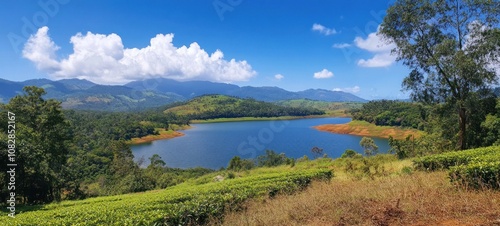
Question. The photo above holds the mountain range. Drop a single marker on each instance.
(83, 94)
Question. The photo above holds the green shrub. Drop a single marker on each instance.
(456, 158)
(477, 175)
(349, 153)
(474, 168)
(407, 170)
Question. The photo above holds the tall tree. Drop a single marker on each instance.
(451, 47)
(42, 136)
(368, 144)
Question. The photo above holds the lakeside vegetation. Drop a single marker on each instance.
(247, 119)
(366, 129)
(162, 135)
(333, 109)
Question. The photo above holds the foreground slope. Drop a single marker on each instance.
(382, 190)
(194, 202)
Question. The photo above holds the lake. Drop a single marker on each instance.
(212, 145)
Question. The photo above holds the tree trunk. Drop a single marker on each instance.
(462, 142)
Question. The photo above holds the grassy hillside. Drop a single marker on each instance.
(381, 190)
(409, 199)
(220, 106)
(194, 202)
(330, 108)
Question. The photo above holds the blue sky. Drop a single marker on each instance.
(296, 46)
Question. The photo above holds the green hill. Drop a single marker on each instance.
(220, 106)
(330, 108)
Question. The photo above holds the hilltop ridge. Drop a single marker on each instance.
(86, 95)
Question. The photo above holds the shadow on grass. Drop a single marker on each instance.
(21, 208)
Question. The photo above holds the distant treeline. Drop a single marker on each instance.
(438, 121)
(393, 113)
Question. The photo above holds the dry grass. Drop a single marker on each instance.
(361, 128)
(164, 134)
(417, 199)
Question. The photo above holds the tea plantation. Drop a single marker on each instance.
(476, 168)
(195, 202)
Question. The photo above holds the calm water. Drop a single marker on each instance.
(213, 145)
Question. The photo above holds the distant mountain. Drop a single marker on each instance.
(197, 88)
(497, 91)
(8, 89)
(83, 94)
(327, 95)
(186, 89)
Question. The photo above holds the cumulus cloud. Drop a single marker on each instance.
(323, 30)
(103, 59)
(354, 89)
(381, 50)
(279, 76)
(323, 74)
(41, 50)
(378, 60)
(341, 45)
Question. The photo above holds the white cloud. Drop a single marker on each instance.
(323, 74)
(382, 50)
(323, 30)
(354, 89)
(373, 43)
(41, 50)
(103, 59)
(378, 60)
(279, 76)
(341, 45)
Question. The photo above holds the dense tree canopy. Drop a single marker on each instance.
(451, 47)
(41, 143)
(393, 113)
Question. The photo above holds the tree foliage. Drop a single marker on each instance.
(368, 144)
(393, 113)
(450, 47)
(317, 151)
(42, 136)
(238, 164)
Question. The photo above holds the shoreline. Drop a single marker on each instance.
(250, 119)
(164, 135)
(365, 129)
